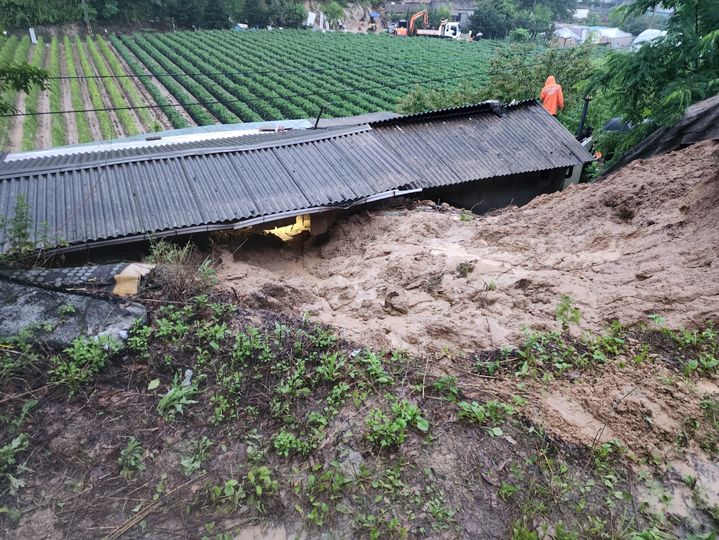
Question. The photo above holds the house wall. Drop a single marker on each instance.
(484, 195)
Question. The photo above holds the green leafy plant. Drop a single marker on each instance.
(198, 455)
(464, 269)
(9, 467)
(84, 359)
(567, 313)
(132, 459)
(287, 443)
(178, 397)
(390, 431)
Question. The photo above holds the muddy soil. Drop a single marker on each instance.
(432, 279)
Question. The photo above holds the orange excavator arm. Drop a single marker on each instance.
(411, 27)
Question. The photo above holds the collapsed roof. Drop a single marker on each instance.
(117, 195)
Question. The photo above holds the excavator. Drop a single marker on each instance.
(446, 29)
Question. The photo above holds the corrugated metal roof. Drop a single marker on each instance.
(85, 198)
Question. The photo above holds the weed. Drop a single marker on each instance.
(260, 482)
(229, 491)
(465, 215)
(132, 459)
(567, 313)
(176, 274)
(177, 398)
(138, 339)
(9, 468)
(287, 443)
(86, 358)
(506, 490)
(213, 335)
(447, 386)
(391, 431)
(441, 514)
(492, 410)
(197, 456)
(331, 364)
(490, 286)
(22, 236)
(66, 310)
(464, 269)
(375, 369)
(473, 412)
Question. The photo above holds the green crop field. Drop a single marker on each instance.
(146, 82)
(269, 75)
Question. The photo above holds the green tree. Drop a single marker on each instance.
(334, 12)
(664, 77)
(216, 15)
(493, 18)
(19, 78)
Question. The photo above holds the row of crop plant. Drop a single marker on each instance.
(271, 75)
(86, 77)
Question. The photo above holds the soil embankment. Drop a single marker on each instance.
(641, 242)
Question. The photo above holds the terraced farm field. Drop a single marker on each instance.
(268, 75)
(85, 74)
(132, 84)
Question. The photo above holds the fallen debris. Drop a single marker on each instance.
(641, 242)
(57, 318)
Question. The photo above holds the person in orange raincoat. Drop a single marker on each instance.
(551, 96)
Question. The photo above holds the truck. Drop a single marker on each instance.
(446, 28)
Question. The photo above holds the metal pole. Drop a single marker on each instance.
(583, 119)
(319, 115)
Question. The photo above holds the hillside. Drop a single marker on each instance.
(408, 399)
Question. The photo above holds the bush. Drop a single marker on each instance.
(176, 273)
(520, 35)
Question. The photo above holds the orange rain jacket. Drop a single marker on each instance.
(551, 96)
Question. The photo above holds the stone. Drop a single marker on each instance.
(43, 313)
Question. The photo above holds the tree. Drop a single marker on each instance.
(216, 15)
(436, 16)
(334, 13)
(493, 18)
(19, 78)
(664, 77)
(256, 12)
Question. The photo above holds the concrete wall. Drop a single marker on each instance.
(484, 195)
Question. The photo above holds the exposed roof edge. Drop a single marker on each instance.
(269, 218)
(481, 107)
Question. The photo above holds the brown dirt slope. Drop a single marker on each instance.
(642, 241)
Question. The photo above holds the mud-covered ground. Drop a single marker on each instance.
(284, 430)
(421, 373)
(641, 242)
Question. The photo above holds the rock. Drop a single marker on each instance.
(350, 463)
(57, 318)
(396, 299)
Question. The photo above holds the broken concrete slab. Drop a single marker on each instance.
(57, 318)
(123, 278)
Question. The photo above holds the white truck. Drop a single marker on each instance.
(446, 29)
